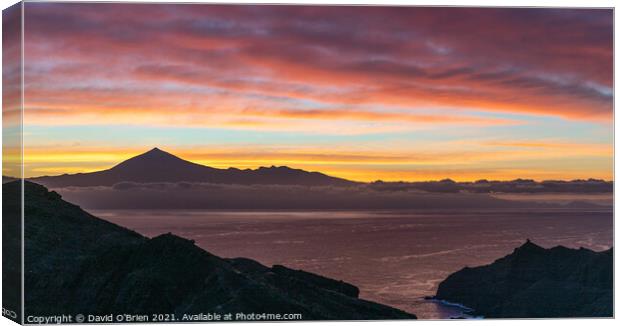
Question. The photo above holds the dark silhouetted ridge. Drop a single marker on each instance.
(153, 157)
(529, 248)
(160, 166)
(78, 263)
(534, 282)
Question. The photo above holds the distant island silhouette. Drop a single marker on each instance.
(157, 165)
(157, 179)
(160, 166)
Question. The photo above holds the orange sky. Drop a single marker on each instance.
(363, 93)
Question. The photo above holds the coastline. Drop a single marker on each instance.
(465, 312)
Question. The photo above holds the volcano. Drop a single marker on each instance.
(157, 165)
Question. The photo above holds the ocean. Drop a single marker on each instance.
(395, 257)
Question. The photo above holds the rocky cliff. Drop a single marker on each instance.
(534, 282)
(78, 263)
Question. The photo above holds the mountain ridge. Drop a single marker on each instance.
(78, 263)
(157, 165)
(534, 282)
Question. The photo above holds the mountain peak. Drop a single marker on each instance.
(156, 165)
(529, 247)
(273, 167)
(156, 150)
(156, 154)
(154, 158)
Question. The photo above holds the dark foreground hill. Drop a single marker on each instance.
(534, 282)
(160, 166)
(77, 263)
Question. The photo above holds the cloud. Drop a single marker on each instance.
(128, 195)
(425, 195)
(550, 62)
(360, 115)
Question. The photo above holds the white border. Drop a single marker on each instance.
(486, 3)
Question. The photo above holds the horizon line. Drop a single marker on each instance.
(158, 149)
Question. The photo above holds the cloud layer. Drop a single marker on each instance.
(437, 195)
(256, 65)
(218, 196)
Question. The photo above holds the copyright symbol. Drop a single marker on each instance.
(79, 318)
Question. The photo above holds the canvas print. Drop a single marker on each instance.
(222, 162)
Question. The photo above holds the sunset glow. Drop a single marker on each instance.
(363, 93)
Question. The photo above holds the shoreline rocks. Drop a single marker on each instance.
(534, 282)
